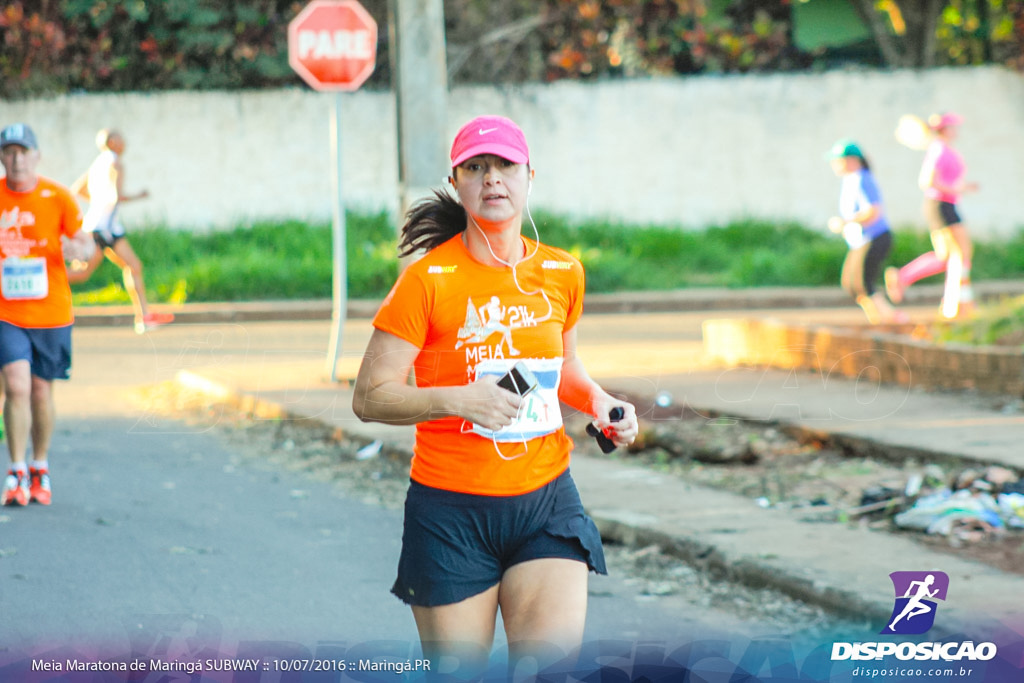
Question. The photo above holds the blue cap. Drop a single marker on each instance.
(18, 134)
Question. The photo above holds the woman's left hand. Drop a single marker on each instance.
(622, 432)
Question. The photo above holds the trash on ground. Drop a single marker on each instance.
(1012, 507)
(977, 504)
(945, 511)
(980, 504)
(370, 450)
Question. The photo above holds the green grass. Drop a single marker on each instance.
(1001, 323)
(288, 260)
(292, 260)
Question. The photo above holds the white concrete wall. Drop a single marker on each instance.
(214, 159)
(682, 151)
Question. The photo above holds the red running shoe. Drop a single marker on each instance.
(15, 490)
(151, 321)
(39, 486)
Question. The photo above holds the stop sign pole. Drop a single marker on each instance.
(332, 45)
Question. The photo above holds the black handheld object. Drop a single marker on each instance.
(519, 380)
(606, 444)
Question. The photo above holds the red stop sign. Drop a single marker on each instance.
(332, 44)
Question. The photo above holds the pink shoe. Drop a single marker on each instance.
(899, 318)
(892, 285)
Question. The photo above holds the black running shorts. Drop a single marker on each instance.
(940, 214)
(456, 545)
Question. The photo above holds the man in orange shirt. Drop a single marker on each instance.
(39, 221)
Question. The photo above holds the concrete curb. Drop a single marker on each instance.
(742, 570)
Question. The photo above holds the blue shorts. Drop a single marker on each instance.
(457, 545)
(48, 349)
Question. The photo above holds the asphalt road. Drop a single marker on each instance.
(166, 539)
(147, 525)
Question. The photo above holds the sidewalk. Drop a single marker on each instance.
(843, 568)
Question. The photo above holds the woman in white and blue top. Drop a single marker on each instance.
(863, 224)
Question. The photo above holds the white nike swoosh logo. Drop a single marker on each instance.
(489, 130)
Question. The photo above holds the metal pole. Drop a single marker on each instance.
(340, 277)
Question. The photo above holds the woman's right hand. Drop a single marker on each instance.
(486, 404)
(382, 392)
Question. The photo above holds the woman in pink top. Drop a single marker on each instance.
(942, 181)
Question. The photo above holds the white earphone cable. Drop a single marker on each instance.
(514, 266)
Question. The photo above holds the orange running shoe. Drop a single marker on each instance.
(39, 485)
(15, 490)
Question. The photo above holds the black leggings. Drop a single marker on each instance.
(863, 266)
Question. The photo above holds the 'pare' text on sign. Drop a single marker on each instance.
(336, 45)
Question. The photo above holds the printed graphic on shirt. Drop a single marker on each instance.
(489, 319)
(12, 241)
(557, 265)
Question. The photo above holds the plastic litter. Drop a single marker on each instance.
(945, 512)
(370, 450)
(913, 486)
(873, 495)
(1012, 507)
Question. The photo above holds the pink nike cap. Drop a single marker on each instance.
(945, 120)
(490, 135)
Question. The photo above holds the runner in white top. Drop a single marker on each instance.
(102, 185)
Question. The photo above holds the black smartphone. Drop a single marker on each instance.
(519, 380)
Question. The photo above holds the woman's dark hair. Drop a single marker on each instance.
(430, 222)
(864, 163)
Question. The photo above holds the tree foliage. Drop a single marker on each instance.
(579, 39)
(132, 44)
(924, 33)
(55, 46)
(122, 45)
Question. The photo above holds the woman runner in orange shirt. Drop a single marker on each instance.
(493, 521)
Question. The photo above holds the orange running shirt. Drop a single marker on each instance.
(34, 290)
(467, 318)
